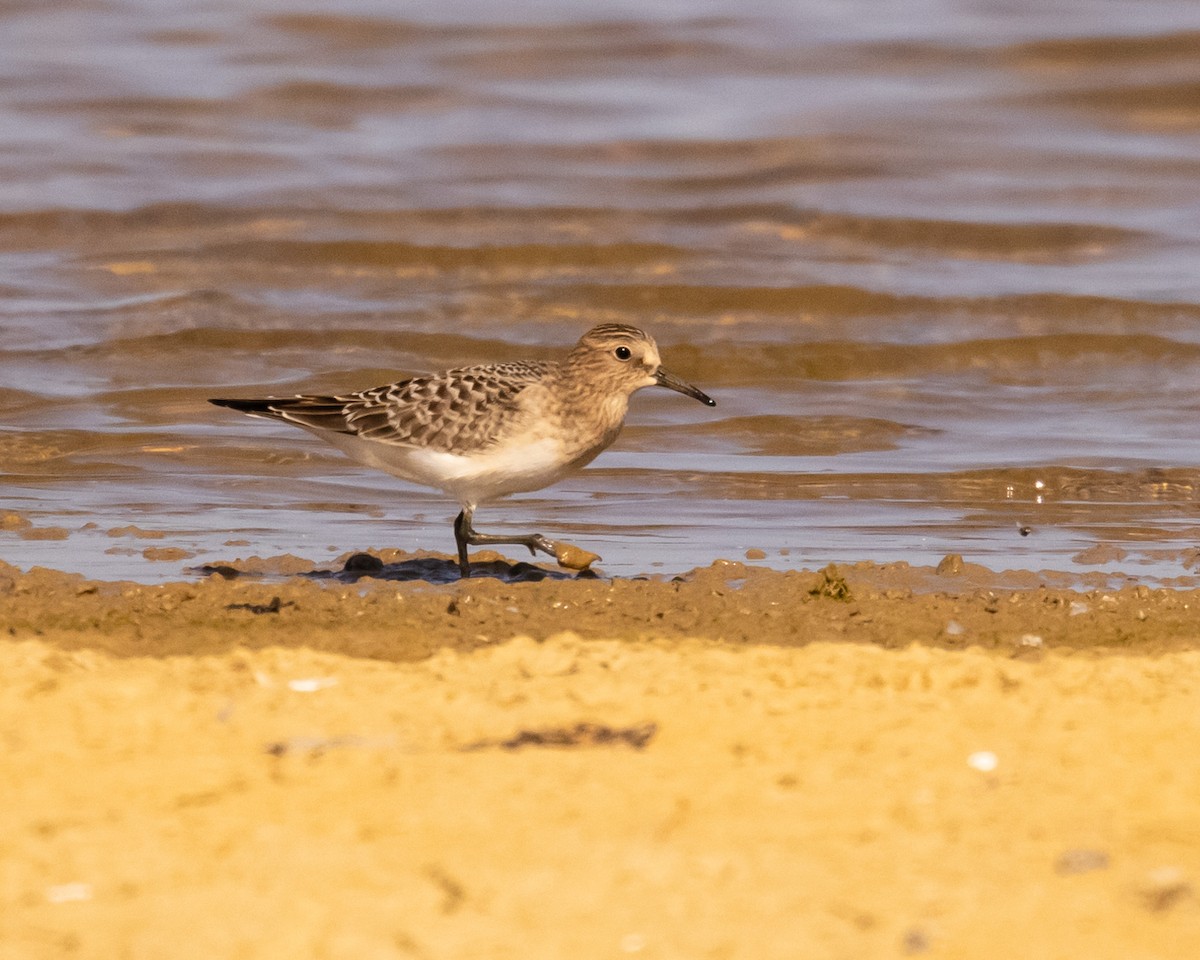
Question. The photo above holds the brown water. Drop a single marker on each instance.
(936, 262)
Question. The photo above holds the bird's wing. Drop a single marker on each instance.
(467, 407)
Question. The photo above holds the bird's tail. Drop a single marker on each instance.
(315, 413)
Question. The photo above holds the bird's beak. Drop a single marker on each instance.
(664, 379)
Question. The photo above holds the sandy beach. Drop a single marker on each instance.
(868, 761)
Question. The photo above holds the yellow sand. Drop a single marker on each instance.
(825, 800)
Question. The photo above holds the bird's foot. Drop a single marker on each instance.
(565, 554)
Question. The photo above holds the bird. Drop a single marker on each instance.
(479, 433)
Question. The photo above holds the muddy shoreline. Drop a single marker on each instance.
(873, 761)
(408, 606)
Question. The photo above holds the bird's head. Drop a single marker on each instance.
(626, 356)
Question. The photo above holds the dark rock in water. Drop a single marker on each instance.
(223, 570)
(525, 573)
(362, 563)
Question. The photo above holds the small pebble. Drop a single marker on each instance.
(1030, 640)
(951, 565)
(915, 940)
(1163, 887)
(1071, 862)
(755, 554)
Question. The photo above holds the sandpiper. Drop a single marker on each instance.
(483, 432)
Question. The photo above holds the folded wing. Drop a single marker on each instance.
(447, 411)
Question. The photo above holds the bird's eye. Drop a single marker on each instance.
(623, 353)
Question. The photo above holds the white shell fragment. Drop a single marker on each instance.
(69, 893)
(983, 760)
(311, 684)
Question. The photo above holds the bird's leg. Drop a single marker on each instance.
(465, 533)
(462, 533)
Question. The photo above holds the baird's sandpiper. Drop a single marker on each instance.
(483, 432)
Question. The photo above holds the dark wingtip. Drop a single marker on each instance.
(245, 406)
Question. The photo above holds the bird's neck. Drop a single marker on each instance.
(587, 411)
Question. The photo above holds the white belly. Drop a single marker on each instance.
(470, 479)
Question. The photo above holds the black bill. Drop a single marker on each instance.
(664, 379)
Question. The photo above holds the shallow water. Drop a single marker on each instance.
(937, 266)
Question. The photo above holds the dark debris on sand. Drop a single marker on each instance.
(429, 569)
